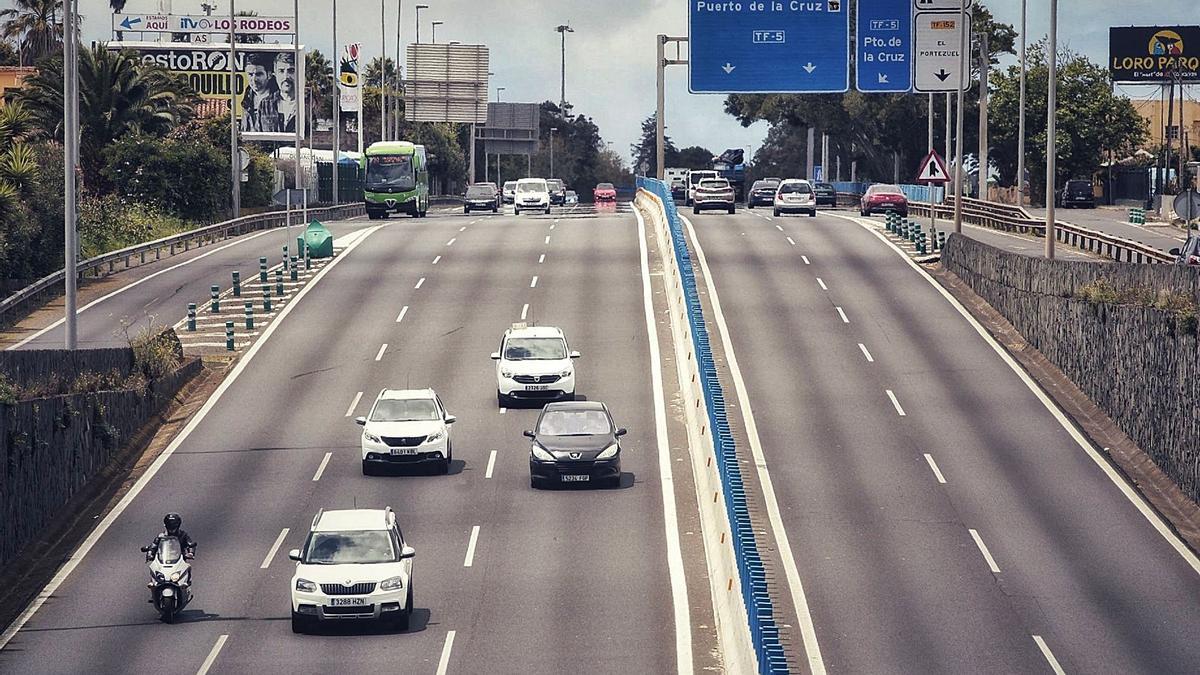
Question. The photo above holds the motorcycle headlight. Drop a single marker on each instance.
(175, 576)
(305, 586)
(371, 437)
(541, 453)
(609, 452)
(393, 584)
(436, 436)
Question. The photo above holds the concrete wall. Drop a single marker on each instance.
(1140, 365)
(30, 366)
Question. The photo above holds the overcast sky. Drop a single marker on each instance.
(610, 56)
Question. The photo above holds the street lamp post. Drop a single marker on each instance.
(1051, 109)
(498, 90)
(70, 157)
(552, 130)
(1021, 117)
(562, 31)
(419, 8)
(435, 25)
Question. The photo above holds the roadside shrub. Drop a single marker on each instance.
(156, 351)
(182, 175)
(109, 223)
(1180, 303)
(8, 391)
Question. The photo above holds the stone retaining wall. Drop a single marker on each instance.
(1140, 365)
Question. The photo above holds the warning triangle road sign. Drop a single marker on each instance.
(933, 169)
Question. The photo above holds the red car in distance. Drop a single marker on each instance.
(604, 192)
(883, 197)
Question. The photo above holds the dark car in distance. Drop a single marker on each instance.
(558, 191)
(575, 442)
(762, 193)
(482, 198)
(1077, 194)
(826, 194)
(881, 198)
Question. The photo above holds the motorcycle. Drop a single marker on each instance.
(170, 577)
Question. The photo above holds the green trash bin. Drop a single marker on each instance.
(318, 239)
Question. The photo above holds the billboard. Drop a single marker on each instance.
(512, 129)
(349, 88)
(447, 83)
(1157, 54)
(266, 81)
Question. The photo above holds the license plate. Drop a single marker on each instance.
(536, 387)
(347, 602)
(575, 478)
(404, 451)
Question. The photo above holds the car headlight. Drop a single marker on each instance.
(567, 373)
(393, 584)
(305, 586)
(506, 374)
(541, 453)
(372, 437)
(175, 576)
(436, 436)
(609, 452)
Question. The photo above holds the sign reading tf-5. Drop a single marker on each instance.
(1154, 54)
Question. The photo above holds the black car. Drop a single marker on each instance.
(575, 442)
(762, 193)
(1189, 253)
(1077, 193)
(826, 194)
(481, 197)
(558, 191)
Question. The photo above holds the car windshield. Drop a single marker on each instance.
(390, 171)
(343, 548)
(794, 188)
(169, 550)
(510, 185)
(574, 423)
(884, 189)
(826, 187)
(605, 186)
(404, 410)
(714, 184)
(554, 184)
(696, 177)
(479, 191)
(537, 349)
(531, 187)
(764, 185)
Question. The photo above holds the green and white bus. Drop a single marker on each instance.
(396, 179)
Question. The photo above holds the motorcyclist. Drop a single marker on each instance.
(173, 523)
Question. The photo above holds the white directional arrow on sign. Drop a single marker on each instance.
(728, 68)
(883, 78)
(937, 52)
(809, 67)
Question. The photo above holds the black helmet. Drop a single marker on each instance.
(172, 521)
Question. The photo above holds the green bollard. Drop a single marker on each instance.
(267, 299)
(307, 258)
(279, 283)
(214, 293)
(229, 335)
(285, 256)
(237, 284)
(295, 269)
(191, 320)
(262, 270)
(942, 240)
(249, 315)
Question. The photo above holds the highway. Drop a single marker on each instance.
(941, 517)
(557, 581)
(1115, 221)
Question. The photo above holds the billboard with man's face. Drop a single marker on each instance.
(267, 81)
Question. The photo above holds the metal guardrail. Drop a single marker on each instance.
(18, 303)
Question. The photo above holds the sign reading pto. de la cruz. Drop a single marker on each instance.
(1156, 54)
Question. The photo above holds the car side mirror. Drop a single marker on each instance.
(360, 421)
(147, 549)
(407, 552)
(621, 431)
(451, 419)
(527, 434)
(495, 356)
(575, 355)
(294, 554)
(1175, 251)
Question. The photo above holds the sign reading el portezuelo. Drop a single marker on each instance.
(1154, 54)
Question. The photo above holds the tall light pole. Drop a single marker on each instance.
(234, 155)
(498, 90)
(1051, 109)
(336, 106)
(435, 25)
(383, 79)
(562, 31)
(552, 130)
(397, 80)
(1021, 117)
(419, 8)
(70, 155)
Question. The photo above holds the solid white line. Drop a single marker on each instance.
(139, 282)
(791, 241)
(490, 465)
(419, 282)
(382, 349)
(353, 404)
(524, 311)
(436, 259)
(403, 311)
(452, 240)
(321, 469)
(866, 353)
(842, 314)
(987, 555)
(783, 544)
(822, 283)
(805, 259)
(541, 258)
(778, 227)
(936, 471)
(1054, 664)
(895, 402)
(533, 284)
(212, 655)
(444, 662)
(471, 547)
(547, 239)
(90, 542)
(274, 548)
(1130, 493)
(679, 599)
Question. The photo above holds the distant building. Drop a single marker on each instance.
(1155, 112)
(12, 77)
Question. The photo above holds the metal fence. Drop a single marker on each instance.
(764, 630)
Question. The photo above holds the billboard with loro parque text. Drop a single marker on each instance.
(1157, 54)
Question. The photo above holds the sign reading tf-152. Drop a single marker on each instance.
(768, 46)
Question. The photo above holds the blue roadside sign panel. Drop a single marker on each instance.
(884, 46)
(769, 46)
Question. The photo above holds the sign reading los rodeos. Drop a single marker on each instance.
(1154, 54)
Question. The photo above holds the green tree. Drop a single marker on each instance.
(645, 151)
(36, 26)
(18, 166)
(373, 72)
(118, 94)
(8, 54)
(318, 80)
(182, 175)
(1093, 123)
(693, 157)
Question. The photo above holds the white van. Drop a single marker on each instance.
(693, 180)
(532, 193)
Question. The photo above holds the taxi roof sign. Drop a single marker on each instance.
(933, 170)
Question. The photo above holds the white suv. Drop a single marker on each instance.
(354, 565)
(534, 363)
(406, 427)
(532, 193)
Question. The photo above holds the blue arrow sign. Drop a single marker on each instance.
(130, 22)
(884, 46)
(768, 46)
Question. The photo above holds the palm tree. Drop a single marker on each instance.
(36, 26)
(18, 165)
(318, 76)
(118, 95)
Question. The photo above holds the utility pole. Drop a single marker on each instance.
(234, 156)
(964, 54)
(399, 76)
(337, 107)
(984, 66)
(949, 138)
(552, 130)
(808, 153)
(562, 31)
(383, 78)
(660, 69)
(298, 91)
(825, 156)
(70, 162)
(1021, 116)
(419, 8)
(1051, 109)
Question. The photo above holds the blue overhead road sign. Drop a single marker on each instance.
(769, 46)
(883, 53)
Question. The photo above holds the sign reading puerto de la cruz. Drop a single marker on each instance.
(1157, 54)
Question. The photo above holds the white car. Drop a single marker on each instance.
(355, 564)
(534, 363)
(532, 194)
(406, 427)
(510, 191)
(693, 181)
(795, 195)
